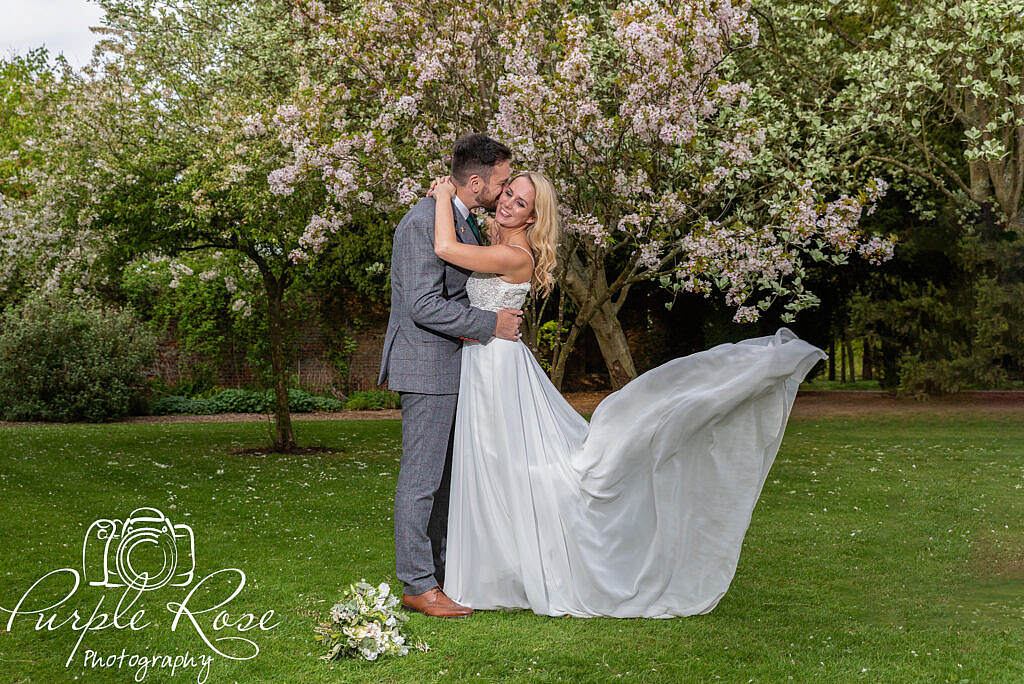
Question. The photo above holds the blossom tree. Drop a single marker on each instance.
(166, 149)
(933, 87)
(659, 156)
(30, 89)
(929, 94)
(663, 168)
(264, 129)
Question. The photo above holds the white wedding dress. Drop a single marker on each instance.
(641, 512)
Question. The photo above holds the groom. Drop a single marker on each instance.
(430, 315)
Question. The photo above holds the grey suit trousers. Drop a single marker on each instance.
(421, 500)
(430, 311)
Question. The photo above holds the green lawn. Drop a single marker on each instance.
(882, 549)
(823, 383)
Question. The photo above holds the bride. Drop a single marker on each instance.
(641, 512)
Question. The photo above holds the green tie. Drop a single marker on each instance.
(471, 220)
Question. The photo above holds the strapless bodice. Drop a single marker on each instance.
(489, 292)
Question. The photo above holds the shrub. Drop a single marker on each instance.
(239, 401)
(243, 401)
(64, 360)
(304, 402)
(174, 404)
(373, 400)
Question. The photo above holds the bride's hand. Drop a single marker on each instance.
(442, 187)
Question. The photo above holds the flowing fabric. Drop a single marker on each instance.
(640, 513)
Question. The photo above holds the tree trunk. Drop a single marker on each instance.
(981, 187)
(842, 362)
(978, 170)
(284, 440)
(562, 357)
(850, 360)
(867, 371)
(586, 285)
(530, 329)
(611, 338)
(832, 358)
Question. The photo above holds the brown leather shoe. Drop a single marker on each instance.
(435, 603)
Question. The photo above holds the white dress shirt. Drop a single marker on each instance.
(461, 206)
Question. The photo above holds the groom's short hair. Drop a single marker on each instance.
(476, 153)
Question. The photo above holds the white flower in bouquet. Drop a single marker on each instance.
(367, 624)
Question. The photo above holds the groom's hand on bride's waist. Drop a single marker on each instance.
(508, 324)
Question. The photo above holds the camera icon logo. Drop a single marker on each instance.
(144, 552)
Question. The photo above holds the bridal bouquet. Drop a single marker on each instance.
(367, 623)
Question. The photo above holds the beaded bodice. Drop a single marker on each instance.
(489, 292)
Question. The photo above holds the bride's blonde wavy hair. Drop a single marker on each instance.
(542, 235)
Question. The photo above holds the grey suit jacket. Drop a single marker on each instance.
(430, 309)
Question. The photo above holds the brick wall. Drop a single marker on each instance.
(311, 364)
(366, 323)
(365, 362)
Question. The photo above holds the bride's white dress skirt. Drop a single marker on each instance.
(641, 512)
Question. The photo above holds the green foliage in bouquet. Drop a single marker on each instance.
(367, 623)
